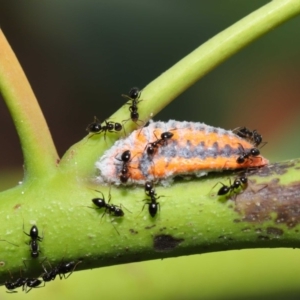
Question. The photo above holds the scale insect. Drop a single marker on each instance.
(184, 148)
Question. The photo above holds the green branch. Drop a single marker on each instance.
(192, 219)
(40, 156)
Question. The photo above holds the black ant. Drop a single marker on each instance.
(65, 268)
(253, 136)
(12, 285)
(244, 155)
(51, 275)
(134, 95)
(61, 270)
(238, 182)
(164, 137)
(111, 209)
(32, 283)
(109, 126)
(33, 243)
(152, 203)
(24, 282)
(126, 159)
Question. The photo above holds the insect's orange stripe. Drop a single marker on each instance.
(179, 165)
(183, 166)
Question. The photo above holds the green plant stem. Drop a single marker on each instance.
(192, 219)
(181, 76)
(40, 156)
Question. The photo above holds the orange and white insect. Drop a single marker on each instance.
(162, 151)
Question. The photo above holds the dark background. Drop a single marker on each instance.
(80, 56)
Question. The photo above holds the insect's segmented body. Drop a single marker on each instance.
(60, 270)
(194, 148)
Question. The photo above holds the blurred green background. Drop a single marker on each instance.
(80, 56)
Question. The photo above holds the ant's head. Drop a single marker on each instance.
(134, 93)
(254, 152)
(125, 157)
